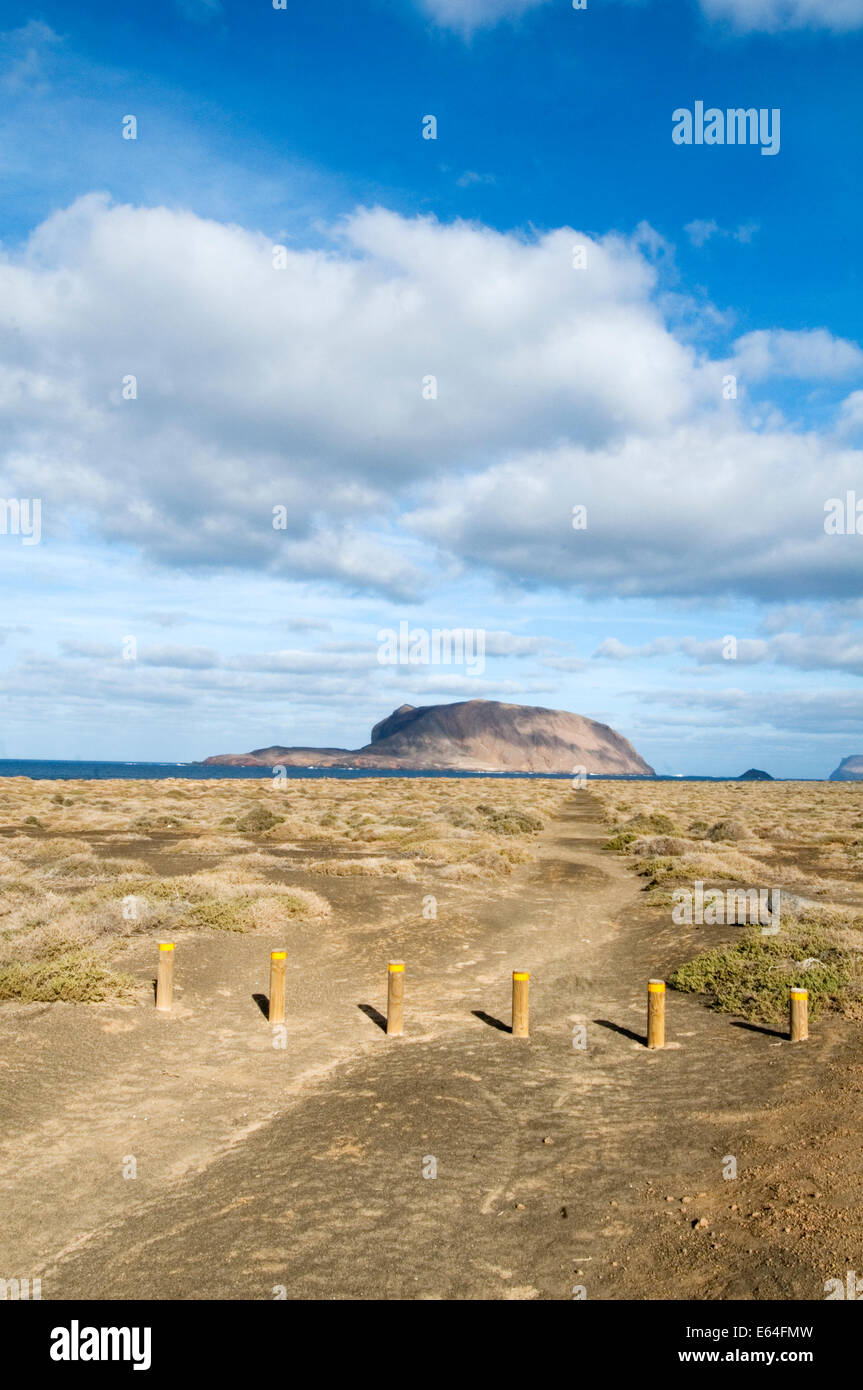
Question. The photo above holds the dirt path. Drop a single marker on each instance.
(304, 1168)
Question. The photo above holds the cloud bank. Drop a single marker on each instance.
(411, 395)
(746, 16)
(465, 16)
(772, 16)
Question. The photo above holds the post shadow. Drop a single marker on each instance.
(263, 1003)
(492, 1022)
(758, 1028)
(374, 1014)
(625, 1032)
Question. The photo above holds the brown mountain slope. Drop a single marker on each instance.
(473, 735)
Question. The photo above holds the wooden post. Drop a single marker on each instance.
(278, 969)
(395, 998)
(656, 1013)
(799, 1014)
(520, 1004)
(165, 977)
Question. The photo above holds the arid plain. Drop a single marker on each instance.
(182, 1155)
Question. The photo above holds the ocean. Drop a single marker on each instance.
(45, 770)
(48, 770)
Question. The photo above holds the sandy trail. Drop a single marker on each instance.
(303, 1169)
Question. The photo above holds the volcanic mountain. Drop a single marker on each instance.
(471, 736)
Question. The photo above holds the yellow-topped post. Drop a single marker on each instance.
(165, 977)
(520, 1004)
(656, 1013)
(278, 969)
(799, 1002)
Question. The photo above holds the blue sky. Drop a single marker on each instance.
(301, 386)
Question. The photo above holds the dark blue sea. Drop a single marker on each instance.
(101, 772)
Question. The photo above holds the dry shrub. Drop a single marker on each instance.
(463, 873)
(259, 819)
(662, 845)
(77, 977)
(244, 913)
(729, 830)
(362, 868)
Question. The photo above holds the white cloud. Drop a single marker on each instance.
(747, 651)
(812, 354)
(302, 388)
(613, 650)
(746, 16)
(179, 658)
(835, 651)
(706, 508)
(775, 15)
(700, 231)
(851, 414)
(26, 57)
(90, 651)
(470, 177)
(840, 651)
(305, 700)
(467, 15)
(820, 715)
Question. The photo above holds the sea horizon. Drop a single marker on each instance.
(89, 769)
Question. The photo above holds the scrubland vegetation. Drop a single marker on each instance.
(84, 865)
(806, 839)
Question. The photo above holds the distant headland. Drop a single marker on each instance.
(849, 770)
(471, 735)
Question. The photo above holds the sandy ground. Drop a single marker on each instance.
(559, 1168)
